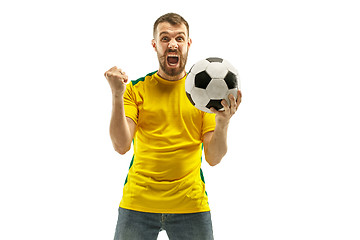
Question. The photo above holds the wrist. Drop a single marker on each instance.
(117, 99)
(117, 94)
(222, 122)
(222, 125)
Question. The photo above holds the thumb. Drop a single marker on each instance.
(213, 110)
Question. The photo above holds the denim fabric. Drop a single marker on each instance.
(133, 225)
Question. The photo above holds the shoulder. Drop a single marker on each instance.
(142, 79)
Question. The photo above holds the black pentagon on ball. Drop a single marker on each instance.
(190, 98)
(215, 103)
(231, 80)
(215, 59)
(202, 79)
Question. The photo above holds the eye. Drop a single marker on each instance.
(179, 39)
(164, 39)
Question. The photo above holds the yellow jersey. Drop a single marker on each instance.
(165, 173)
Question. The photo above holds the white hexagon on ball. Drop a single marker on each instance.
(230, 67)
(217, 89)
(217, 70)
(199, 66)
(199, 96)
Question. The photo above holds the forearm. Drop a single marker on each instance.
(119, 129)
(217, 145)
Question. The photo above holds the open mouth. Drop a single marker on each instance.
(172, 60)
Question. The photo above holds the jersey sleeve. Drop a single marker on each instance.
(131, 109)
(208, 124)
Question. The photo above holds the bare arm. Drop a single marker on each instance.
(122, 129)
(215, 143)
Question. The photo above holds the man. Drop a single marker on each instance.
(165, 188)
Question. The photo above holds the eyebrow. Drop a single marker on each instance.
(177, 33)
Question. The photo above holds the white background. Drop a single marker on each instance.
(292, 169)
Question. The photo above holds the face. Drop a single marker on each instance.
(171, 44)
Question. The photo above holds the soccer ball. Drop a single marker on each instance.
(209, 81)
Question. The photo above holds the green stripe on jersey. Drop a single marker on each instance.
(134, 82)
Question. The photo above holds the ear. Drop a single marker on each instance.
(189, 42)
(153, 43)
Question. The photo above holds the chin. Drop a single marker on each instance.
(174, 71)
(171, 71)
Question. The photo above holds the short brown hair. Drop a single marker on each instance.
(173, 19)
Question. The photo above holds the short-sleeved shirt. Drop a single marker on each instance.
(165, 173)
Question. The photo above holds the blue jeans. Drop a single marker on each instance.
(133, 225)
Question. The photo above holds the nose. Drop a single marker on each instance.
(173, 44)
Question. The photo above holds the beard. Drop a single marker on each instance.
(171, 71)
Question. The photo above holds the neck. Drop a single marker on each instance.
(165, 76)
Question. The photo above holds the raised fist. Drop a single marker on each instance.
(117, 80)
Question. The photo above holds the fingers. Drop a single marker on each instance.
(213, 110)
(239, 96)
(125, 78)
(109, 71)
(232, 108)
(116, 72)
(234, 104)
(225, 104)
(112, 69)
